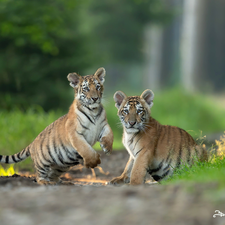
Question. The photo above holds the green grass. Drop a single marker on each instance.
(203, 172)
(192, 112)
(19, 129)
(212, 171)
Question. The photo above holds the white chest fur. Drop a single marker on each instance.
(90, 124)
(126, 139)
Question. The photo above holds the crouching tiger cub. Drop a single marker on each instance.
(154, 148)
(69, 140)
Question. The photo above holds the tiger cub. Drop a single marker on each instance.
(69, 140)
(153, 148)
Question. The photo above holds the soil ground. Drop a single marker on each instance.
(92, 201)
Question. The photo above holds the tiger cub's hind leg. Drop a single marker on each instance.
(49, 175)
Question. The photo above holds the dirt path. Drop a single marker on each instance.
(91, 201)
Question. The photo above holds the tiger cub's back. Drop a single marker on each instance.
(174, 147)
(178, 146)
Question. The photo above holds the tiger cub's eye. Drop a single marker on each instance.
(125, 111)
(140, 111)
(85, 89)
(98, 87)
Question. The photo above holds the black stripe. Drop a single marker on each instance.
(72, 159)
(87, 116)
(100, 112)
(14, 159)
(137, 141)
(82, 124)
(165, 174)
(103, 120)
(49, 152)
(42, 152)
(138, 151)
(7, 159)
(68, 153)
(167, 167)
(188, 155)
(72, 163)
(196, 152)
(42, 172)
(101, 133)
(18, 156)
(88, 107)
(58, 153)
(60, 157)
(60, 171)
(78, 156)
(79, 133)
(132, 139)
(168, 157)
(21, 153)
(27, 151)
(179, 159)
(180, 138)
(156, 169)
(39, 168)
(45, 165)
(158, 178)
(49, 130)
(0, 157)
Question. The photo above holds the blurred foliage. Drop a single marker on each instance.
(118, 27)
(42, 41)
(194, 112)
(40, 44)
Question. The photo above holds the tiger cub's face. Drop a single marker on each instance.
(134, 111)
(88, 89)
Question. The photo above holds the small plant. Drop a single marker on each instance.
(221, 146)
(7, 172)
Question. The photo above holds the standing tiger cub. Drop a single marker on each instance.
(154, 148)
(69, 140)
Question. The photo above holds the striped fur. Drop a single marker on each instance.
(154, 148)
(69, 140)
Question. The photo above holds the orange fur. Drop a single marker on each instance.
(68, 141)
(154, 148)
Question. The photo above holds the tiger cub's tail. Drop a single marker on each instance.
(9, 159)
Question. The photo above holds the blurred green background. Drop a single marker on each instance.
(154, 44)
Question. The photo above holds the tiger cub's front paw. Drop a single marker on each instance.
(106, 146)
(120, 180)
(92, 161)
(106, 150)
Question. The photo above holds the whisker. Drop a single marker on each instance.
(119, 124)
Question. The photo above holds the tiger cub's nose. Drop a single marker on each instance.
(132, 123)
(95, 99)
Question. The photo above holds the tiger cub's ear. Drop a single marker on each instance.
(148, 96)
(119, 96)
(100, 73)
(74, 79)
